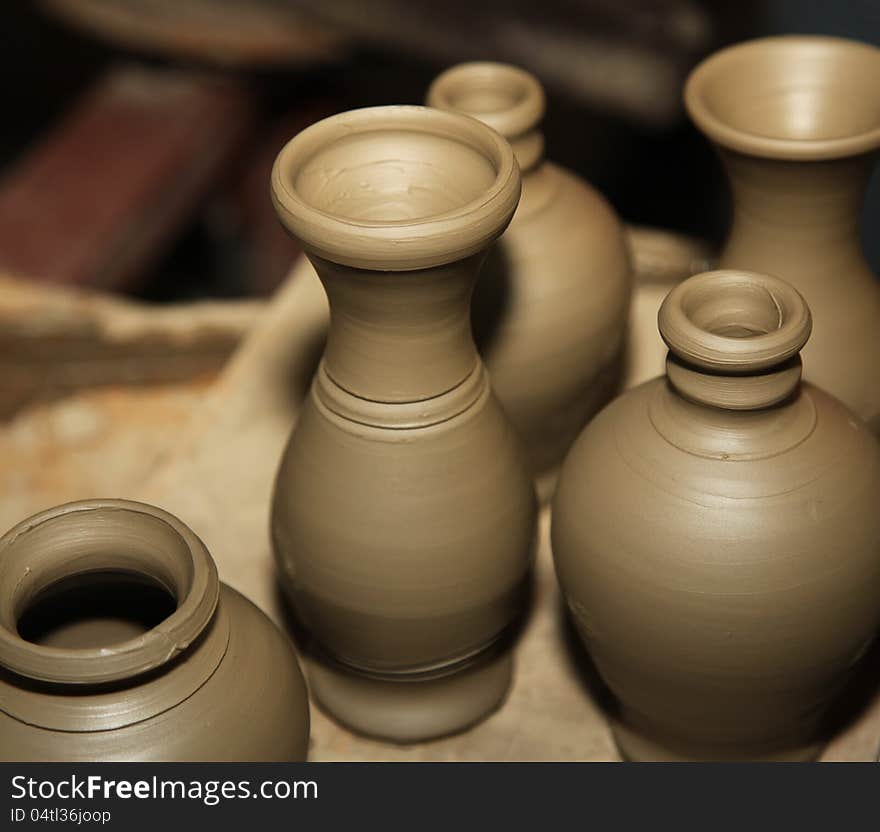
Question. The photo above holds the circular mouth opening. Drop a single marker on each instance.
(392, 176)
(505, 97)
(97, 609)
(396, 187)
(734, 321)
(100, 591)
(789, 97)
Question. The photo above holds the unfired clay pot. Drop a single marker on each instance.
(717, 537)
(796, 121)
(403, 513)
(119, 643)
(551, 304)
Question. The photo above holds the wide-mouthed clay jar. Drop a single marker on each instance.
(119, 643)
(717, 538)
(403, 515)
(796, 121)
(550, 307)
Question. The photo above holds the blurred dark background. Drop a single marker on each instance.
(138, 137)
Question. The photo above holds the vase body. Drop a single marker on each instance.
(790, 121)
(716, 537)
(98, 686)
(403, 514)
(551, 303)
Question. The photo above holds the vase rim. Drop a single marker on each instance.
(518, 107)
(734, 322)
(89, 536)
(402, 244)
(780, 51)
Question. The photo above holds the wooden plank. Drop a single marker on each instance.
(101, 197)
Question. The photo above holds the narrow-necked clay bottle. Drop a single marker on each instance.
(119, 643)
(404, 513)
(550, 306)
(796, 121)
(717, 537)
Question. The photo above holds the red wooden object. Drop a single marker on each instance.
(103, 194)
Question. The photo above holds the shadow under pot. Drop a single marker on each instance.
(716, 535)
(403, 515)
(119, 643)
(796, 123)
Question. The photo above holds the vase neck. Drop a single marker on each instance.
(399, 336)
(734, 339)
(803, 212)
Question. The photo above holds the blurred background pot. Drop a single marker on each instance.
(119, 643)
(551, 303)
(716, 535)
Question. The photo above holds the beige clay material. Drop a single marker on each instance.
(716, 535)
(550, 306)
(403, 515)
(173, 689)
(222, 443)
(796, 122)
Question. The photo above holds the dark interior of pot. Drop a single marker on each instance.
(810, 89)
(389, 175)
(96, 609)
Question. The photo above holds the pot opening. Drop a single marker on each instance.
(393, 175)
(736, 322)
(734, 310)
(95, 609)
(483, 98)
(817, 94)
(101, 590)
(505, 97)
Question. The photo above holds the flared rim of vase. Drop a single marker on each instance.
(507, 98)
(88, 537)
(406, 243)
(738, 322)
(834, 71)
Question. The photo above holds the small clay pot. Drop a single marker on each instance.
(717, 538)
(551, 304)
(796, 121)
(119, 643)
(404, 514)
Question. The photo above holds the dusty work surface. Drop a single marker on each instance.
(206, 449)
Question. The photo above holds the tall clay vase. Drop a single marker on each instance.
(403, 512)
(119, 643)
(717, 538)
(796, 121)
(551, 304)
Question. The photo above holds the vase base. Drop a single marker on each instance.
(412, 711)
(639, 748)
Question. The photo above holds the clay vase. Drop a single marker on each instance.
(796, 121)
(403, 513)
(716, 534)
(551, 304)
(119, 643)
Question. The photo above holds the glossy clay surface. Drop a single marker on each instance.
(796, 121)
(551, 302)
(720, 553)
(403, 514)
(106, 689)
